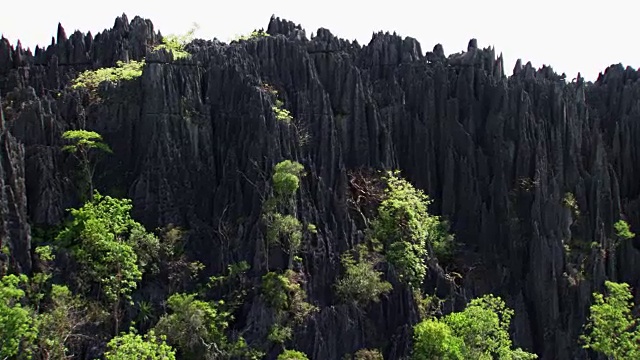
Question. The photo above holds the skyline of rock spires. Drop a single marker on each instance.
(193, 139)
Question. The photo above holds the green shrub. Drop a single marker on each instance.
(132, 346)
(17, 330)
(286, 178)
(404, 227)
(368, 354)
(197, 329)
(611, 328)
(283, 293)
(570, 202)
(286, 227)
(361, 282)
(280, 333)
(175, 44)
(255, 34)
(292, 355)
(480, 331)
(623, 231)
(90, 79)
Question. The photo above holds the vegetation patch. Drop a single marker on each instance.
(175, 44)
(611, 328)
(480, 331)
(255, 34)
(361, 283)
(404, 227)
(91, 79)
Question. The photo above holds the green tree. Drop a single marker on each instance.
(175, 44)
(405, 227)
(111, 248)
(361, 282)
(84, 146)
(282, 229)
(132, 346)
(292, 355)
(433, 339)
(480, 331)
(197, 328)
(60, 323)
(611, 328)
(18, 330)
(286, 178)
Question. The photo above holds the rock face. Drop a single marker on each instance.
(531, 171)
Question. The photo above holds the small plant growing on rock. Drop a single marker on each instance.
(361, 282)
(91, 79)
(281, 113)
(175, 44)
(571, 203)
(292, 355)
(255, 34)
(405, 227)
(84, 145)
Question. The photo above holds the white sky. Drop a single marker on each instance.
(570, 35)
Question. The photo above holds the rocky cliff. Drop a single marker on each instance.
(531, 170)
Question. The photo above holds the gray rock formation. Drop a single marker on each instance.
(194, 141)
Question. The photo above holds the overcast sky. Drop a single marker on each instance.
(570, 35)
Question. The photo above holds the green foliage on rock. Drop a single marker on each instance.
(18, 329)
(480, 331)
(405, 227)
(85, 146)
(255, 34)
(286, 227)
(433, 339)
(175, 44)
(281, 228)
(286, 178)
(292, 355)
(58, 325)
(368, 354)
(611, 328)
(285, 295)
(132, 346)
(91, 79)
(623, 231)
(361, 283)
(110, 247)
(196, 328)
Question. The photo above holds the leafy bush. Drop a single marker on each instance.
(623, 231)
(280, 333)
(287, 227)
(59, 325)
(404, 226)
(284, 294)
(361, 282)
(480, 331)
(132, 346)
(83, 146)
(197, 329)
(286, 178)
(433, 339)
(281, 113)
(368, 354)
(611, 328)
(292, 355)
(91, 79)
(255, 34)
(17, 330)
(111, 248)
(175, 44)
